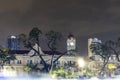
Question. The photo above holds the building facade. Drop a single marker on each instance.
(23, 56)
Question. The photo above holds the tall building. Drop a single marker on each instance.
(71, 45)
(13, 43)
(92, 41)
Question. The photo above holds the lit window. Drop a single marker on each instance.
(114, 58)
(110, 58)
(68, 44)
(100, 59)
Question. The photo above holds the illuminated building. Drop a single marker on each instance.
(23, 56)
(71, 42)
(13, 43)
(71, 45)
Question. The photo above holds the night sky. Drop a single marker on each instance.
(84, 18)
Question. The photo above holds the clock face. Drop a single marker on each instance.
(71, 44)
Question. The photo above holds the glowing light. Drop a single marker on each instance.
(13, 36)
(94, 78)
(81, 62)
(54, 76)
(9, 73)
(111, 66)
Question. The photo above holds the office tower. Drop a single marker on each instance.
(13, 43)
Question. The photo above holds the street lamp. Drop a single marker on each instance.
(81, 64)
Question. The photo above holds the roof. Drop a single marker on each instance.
(27, 51)
(19, 51)
(50, 52)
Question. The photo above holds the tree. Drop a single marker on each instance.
(33, 39)
(31, 67)
(53, 37)
(106, 50)
(6, 56)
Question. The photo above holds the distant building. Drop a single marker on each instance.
(92, 41)
(13, 43)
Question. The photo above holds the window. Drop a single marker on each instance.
(7, 62)
(19, 62)
(110, 58)
(114, 58)
(29, 61)
(100, 59)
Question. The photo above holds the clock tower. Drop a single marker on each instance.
(71, 42)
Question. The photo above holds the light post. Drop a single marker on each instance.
(81, 64)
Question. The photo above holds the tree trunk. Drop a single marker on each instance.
(52, 64)
(104, 65)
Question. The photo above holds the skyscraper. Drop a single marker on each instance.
(13, 43)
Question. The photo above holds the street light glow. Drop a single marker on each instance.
(81, 62)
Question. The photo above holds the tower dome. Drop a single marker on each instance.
(71, 36)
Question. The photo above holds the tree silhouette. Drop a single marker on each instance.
(53, 37)
(33, 39)
(106, 50)
(6, 56)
